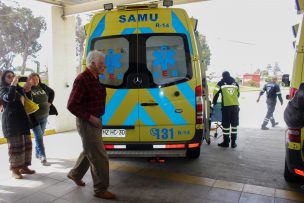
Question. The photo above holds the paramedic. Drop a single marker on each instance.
(230, 92)
(273, 91)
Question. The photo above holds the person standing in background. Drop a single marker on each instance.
(42, 95)
(15, 125)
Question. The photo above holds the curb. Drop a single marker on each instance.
(46, 133)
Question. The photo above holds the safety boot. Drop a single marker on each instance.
(233, 139)
(274, 124)
(264, 127)
(225, 143)
(233, 144)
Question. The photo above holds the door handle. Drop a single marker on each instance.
(149, 104)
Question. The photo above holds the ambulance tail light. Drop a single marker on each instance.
(194, 145)
(109, 146)
(294, 135)
(199, 105)
(292, 92)
(299, 172)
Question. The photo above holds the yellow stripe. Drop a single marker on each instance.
(46, 133)
(294, 146)
(124, 110)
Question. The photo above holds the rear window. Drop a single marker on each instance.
(144, 60)
(117, 59)
(166, 59)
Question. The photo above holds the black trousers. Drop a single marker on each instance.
(230, 117)
(271, 104)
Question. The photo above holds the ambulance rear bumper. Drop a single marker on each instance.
(147, 153)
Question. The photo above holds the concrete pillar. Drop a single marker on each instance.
(62, 66)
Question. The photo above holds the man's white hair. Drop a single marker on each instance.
(94, 56)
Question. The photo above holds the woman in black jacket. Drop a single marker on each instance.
(15, 125)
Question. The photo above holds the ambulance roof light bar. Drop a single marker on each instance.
(108, 7)
(167, 3)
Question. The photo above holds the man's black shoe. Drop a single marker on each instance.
(233, 145)
(223, 144)
(264, 128)
(274, 124)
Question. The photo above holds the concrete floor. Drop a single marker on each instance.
(253, 172)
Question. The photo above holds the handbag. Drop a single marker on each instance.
(30, 106)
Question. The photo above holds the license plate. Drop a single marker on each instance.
(114, 133)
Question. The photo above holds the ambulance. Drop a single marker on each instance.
(155, 81)
(294, 159)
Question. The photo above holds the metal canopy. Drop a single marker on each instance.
(72, 7)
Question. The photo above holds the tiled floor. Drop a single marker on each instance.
(132, 180)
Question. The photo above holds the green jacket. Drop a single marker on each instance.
(229, 90)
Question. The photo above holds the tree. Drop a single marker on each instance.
(21, 30)
(269, 68)
(276, 68)
(206, 51)
(257, 71)
(6, 41)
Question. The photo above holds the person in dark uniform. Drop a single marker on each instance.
(273, 91)
(230, 91)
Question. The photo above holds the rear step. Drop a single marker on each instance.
(147, 153)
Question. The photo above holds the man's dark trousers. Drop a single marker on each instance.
(93, 156)
(230, 117)
(271, 104)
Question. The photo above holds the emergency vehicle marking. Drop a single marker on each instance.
(97, 32)
(144, 30)
(143, 116)
(140, 18)
(113, 104)
(128, 31)
(188, 93)
(162, 133)
(164, 57)
(112, 61)
(167, 106)
(180, 28)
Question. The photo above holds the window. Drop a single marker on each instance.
(117, 59)
(166, 59)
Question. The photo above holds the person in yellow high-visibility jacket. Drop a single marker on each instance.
(230, 91)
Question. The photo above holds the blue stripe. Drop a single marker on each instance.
(144, 30)
(97, 32)
(180, 28)
(133, 116)
(145, 117)
(298, 6)
(113, 104)
(188, 92)
(128, 31)
(167, 107)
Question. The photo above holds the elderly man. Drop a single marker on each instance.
(273, 91)
(87, 103)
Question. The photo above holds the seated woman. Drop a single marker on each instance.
(294, 112)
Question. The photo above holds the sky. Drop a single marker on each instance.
(243, 35)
